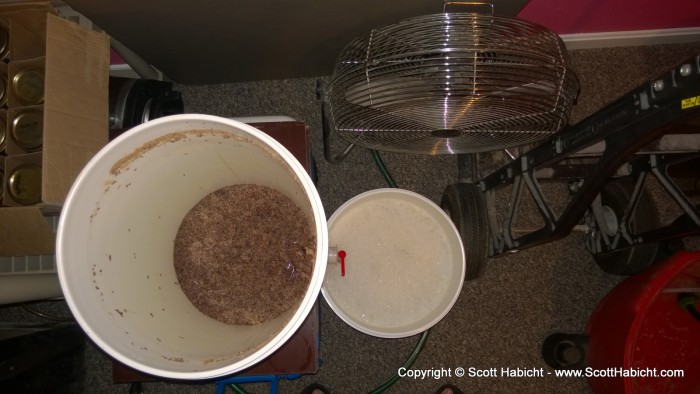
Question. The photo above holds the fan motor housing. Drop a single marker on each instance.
(452, 83)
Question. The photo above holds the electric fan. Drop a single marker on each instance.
(451, 83)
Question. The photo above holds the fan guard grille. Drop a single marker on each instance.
(451, 83)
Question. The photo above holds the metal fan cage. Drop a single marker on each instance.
(451, 83)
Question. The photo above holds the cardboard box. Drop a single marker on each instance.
(75, 127)
(26, 23)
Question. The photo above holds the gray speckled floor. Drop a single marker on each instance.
(500, 319)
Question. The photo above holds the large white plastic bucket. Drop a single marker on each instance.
(404, 266)
(115, 244)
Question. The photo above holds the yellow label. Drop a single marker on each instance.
(690, 102)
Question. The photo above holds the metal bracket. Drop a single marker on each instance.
(626, 126)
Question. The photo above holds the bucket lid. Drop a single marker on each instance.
(404, 263)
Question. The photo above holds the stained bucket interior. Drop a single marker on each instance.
(115, 244)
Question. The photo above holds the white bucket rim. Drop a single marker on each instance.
(453, 233)
(307, 303)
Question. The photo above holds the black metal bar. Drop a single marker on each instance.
(587, 132)
(661, 106)
(564, 172)
(542, 204)
(628, 216)
(466, 168)
(683, 227)
(512, 214)
(686, 225)
(658, 165)
(676, 193)
(496, 244)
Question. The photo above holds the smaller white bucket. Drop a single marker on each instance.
(404, 266)
(115, 244)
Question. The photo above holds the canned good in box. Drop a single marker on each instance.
(27, 129)
(24, 184)
(28, 85)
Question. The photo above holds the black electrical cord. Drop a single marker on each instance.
(34, 311)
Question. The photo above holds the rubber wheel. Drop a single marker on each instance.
(465, 205)
(616, 195)
(566, 351)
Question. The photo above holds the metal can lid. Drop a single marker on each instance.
(27, 129)
(28, 86)
(24, 184)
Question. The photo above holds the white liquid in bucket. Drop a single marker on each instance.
(402, 266)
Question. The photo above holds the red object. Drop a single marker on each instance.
(596, 16)
(342, 254)
(640, 326)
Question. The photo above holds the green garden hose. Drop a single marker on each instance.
(407, 365)
(382, 169)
